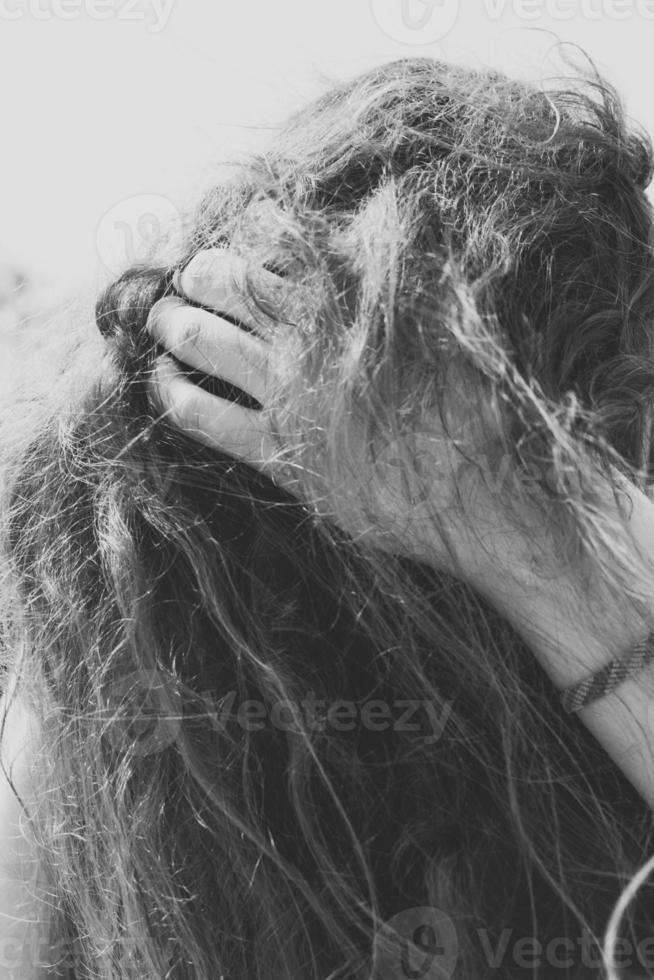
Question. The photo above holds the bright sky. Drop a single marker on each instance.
(113, 110)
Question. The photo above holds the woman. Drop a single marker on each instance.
(438, 272)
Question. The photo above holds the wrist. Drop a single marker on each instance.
(575, 627)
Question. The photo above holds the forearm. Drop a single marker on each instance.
(623, 720)
(574, 632)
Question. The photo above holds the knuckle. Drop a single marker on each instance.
(206, 270)
(229, 278)
(189, 332)
(185, 326)
(255, 354)
(246, 352)
(197, 276)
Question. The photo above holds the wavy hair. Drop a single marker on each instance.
(234, 787)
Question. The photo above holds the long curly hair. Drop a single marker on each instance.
(264, 742)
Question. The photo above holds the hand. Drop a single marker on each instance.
(215, 346)
(404, 501)
(395, 515)
(521, 570)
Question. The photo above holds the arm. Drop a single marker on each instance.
(557, 615)
(574, 633)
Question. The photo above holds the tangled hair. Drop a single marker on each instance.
(429, 216)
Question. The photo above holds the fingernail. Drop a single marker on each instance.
(177, 281)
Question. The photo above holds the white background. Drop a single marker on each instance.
(105, 120)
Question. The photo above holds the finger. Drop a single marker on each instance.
(215, 422)
(218, 278)
(209, 344)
